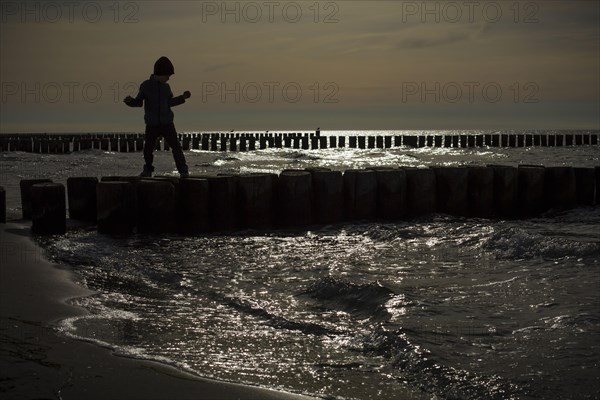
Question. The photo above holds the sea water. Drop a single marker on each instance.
(432, 308)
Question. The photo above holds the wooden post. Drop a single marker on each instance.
(114, 144)
(586, 186)
(352, 142)
(116, 203)
(560, 186)
(451, 190)
(360, 194)
(193, 215)
(332, 142)
(420, 191)
(597, 201)
(155, 206)
(328, 196)
(480, 197)
(255, 200)
(531, 190)
(505, 190)
(410, 141)
(447, 140)
(294, 197)
(361, 142)
(371, 142)
(2, 205)
(391, 193)
(25, 186)
(387, 142)
(48, 214)
(222, 192)
(185, 145)
(314, 143)
(82, 198)
(305, 142)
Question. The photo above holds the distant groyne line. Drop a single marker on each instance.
(299, 199)
(67, 143)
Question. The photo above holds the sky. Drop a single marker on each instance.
(299, 65)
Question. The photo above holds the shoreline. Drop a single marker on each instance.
(37, 362)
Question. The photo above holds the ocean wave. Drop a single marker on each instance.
(360, 300)
(514, 243)
(276, 321)
(418, 367)
(299, 155)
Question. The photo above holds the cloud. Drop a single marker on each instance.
(420, 38)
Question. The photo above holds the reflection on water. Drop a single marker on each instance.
(429, 308)
(436, 307)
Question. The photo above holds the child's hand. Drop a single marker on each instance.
(128, 99)
(187, 94)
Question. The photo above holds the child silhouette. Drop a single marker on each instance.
(156, 97)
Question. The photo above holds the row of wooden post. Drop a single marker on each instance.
(304, 198)
(249, 142)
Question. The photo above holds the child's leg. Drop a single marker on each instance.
(170, 135)
(152, 133)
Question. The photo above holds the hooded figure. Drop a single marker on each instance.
(157, 98)
(163, 66)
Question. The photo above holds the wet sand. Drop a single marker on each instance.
(36, 362)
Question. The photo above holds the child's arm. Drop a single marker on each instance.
(175, 101)
(137, 102)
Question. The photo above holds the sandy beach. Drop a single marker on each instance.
(36, 362)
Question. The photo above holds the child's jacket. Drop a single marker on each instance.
(157, 99)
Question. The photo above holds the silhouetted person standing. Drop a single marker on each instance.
(156, 97)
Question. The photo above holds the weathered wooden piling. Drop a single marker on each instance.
(116, 203)
(586, 186)
(131, 179)
(48, 213)
(530, 190)
(82, 198)
(451, 190)
(360, 194)
(294, 198)
(193, 212)
(420, 191)
(155, 206)
(25, 186)
(371, 142)
(410, 141)
(2, 205)
(391, 193)
(328, 196)
(223, 213)
(597, 201)
(447, 140)
(362, 142)
(505, 190)
(480, 196)
(255, 200)
(560, 187)
(352, 142)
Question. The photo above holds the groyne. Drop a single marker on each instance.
(234, 142)
(300, 199)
